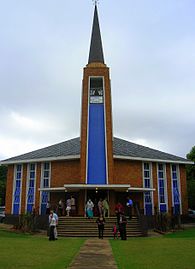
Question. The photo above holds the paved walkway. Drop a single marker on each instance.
(94, 254)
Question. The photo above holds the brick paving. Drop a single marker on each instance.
(94, 254)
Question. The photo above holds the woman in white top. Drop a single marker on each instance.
(89, 209)
(52, 225)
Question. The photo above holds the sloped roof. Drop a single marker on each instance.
(71, 150)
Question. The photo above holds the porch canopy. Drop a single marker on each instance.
(115, 187)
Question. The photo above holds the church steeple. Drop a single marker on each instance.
(96, 50)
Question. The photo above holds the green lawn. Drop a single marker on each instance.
(173, 251)
(19, 251)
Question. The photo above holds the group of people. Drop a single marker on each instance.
(64, 208)
(98, 208)
(119, 228)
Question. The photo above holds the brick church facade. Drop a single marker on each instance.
(96, 164)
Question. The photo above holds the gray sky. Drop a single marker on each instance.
(149, 46)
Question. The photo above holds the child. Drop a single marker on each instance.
(115, 231)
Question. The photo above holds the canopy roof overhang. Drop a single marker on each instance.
(115, 187)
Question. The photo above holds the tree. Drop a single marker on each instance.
(3, 177)
(190, 169)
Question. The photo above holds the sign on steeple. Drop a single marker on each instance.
(96, 50)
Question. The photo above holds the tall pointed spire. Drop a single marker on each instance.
(96, 50)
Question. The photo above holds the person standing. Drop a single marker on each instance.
(52, 226)
(129, 207)
(100, 222)
(68, 207)
(89, 209)
(100, 207)
(115, 231)
(118, 210)
(55, 229)
(73, 205)
(48, 208)
(122, 226)
(105, 208)
(60, 207)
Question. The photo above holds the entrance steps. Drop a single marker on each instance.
(83, 227)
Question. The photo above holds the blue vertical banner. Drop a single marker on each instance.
(96, 155)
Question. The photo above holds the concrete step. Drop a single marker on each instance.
(82, 227)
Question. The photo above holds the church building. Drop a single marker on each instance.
(97, 164)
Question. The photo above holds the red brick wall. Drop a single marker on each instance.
(68, 172)
(128, 172)
(9, 189)
(23, 192)
(65, 172)
(183, 185)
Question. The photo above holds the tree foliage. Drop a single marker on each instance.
(3, 177)
(190, 169)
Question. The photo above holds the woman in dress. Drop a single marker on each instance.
(89, 209)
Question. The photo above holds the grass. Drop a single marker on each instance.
(170, 251)
(37, 252)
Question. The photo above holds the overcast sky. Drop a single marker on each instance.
(149, 46)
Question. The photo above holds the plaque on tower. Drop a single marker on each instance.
(96, 91)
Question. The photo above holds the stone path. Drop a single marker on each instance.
(94, 254)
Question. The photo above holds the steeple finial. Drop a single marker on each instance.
(95, 2)
(96, 50)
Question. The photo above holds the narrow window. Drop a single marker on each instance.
(147, 184)
(162, 192)
(31, 186)
(45, 183)
(17, 189)
(175, 189)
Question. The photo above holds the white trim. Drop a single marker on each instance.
(86, 165)
(124, 187)
(105, 138)
(105, 130)
(75, 157)
(69, 157)
(151, 160)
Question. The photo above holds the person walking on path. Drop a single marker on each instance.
(106, 212)
(52, 226)
(100, 222)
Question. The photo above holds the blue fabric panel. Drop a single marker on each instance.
(176, 209)
(163, 208)
(148, 209)
(29, 208)
(96, 145)
(16, 209)
(43, 209)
